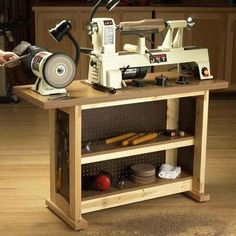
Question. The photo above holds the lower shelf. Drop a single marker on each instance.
(95, 200)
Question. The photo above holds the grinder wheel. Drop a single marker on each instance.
(59, 70)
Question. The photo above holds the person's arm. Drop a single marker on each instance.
(7, 56)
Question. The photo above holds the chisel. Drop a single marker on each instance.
(119, 138)
(145, 138)
(129, 140)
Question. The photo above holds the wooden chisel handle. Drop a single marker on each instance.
(119, 138)
(145, 138)
(129, 140)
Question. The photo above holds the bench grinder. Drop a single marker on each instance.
(54, 71)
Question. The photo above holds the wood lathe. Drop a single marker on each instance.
(110, 68)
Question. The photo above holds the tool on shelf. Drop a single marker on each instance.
(120, 182)
(87, 146)
(145, 138)
(132, 138)
(181, 133)
(170, 132)
(119, 138)
(173, 133)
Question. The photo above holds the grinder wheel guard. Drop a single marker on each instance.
(59, 70)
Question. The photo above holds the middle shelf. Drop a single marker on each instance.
(103, 152)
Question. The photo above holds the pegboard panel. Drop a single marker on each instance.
(121, 167)
(185, 158)
(101, 123)
(187, 114)
(62, 150)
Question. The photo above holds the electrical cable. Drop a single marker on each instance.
(77, 48)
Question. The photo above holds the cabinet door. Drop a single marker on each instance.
(210, 32)
(230, 59)
(85, 42)
(46, 20)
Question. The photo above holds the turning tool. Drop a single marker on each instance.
(15, 62)
(119, 138)
(145, 138)
(129, 140)
(103, 88)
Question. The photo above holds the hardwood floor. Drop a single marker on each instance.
(24, 184)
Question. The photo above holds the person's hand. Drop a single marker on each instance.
(7, 57)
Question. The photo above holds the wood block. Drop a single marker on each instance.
(143, 170)
(142, 180)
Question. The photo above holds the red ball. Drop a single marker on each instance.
(103, 182)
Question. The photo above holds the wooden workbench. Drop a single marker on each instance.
(90, 115)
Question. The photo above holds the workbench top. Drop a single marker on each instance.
(81, 93)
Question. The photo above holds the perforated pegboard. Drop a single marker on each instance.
(101, 123)
(186, 158)
(187, 114)
(121, 167)
(62, 150)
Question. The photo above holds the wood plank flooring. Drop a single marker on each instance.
(24, 184)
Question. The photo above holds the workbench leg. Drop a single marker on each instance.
(70, 211)
(75, 167)
(172, 121)
(199, 164)
(52, 132)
